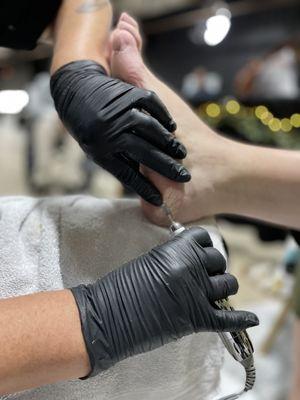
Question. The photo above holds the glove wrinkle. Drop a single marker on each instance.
(101, 112)
(155, 299)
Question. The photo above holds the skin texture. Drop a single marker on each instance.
(81, 31)
(48, 327)
(227, 176)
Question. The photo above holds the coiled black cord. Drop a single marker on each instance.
(250, 377)
(250, 370)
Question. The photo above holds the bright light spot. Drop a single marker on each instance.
(232, 107)
(266, 118)
(295, 120)
(217, 28)
(213, 110)
(274, 124)
(260, 111)
(286, 125)
(13, 101)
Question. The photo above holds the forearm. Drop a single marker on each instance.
(265, 184)
(41, 341)
(81, 32)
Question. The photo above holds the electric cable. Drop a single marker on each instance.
(238, 344)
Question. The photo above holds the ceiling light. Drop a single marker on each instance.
(13, 101)
(217, 28)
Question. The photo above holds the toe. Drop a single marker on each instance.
(123, 25)
(126, 17)
(122, 40)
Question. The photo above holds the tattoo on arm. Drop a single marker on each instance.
(89, 6)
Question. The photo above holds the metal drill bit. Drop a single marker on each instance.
(168, 212)
(175, 227)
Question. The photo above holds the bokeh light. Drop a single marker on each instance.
(286, 125)
(295, 120)
(233, 107)
(213, 110)
(274, 124)
(260, 111)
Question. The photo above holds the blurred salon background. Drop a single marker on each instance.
(237, 62)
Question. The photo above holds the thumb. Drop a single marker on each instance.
(234, 321)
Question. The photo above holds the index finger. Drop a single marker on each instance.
(155, 107)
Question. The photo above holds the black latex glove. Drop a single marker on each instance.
(105, 116)
(156, 299)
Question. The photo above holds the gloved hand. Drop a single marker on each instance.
(105, 116)
(156, 299)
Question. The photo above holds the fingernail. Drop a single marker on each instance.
(173, 126)
(253, 320)
(181, 151)
(184, 173)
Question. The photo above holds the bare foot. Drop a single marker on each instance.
(205, 160)
(126, 45)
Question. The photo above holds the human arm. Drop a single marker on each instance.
(148, 302)
(81, 31)
(106, 116)
(118, 125)
(79, 28)
(40, 341)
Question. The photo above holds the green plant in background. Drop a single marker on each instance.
(256, 124)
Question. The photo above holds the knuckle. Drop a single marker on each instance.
(134, 113)
(150, 95)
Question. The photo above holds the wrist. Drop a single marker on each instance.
(61, 60)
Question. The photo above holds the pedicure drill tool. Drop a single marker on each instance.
(238, 344)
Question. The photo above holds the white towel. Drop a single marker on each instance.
(53, 243)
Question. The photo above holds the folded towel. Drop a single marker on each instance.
(52, 243)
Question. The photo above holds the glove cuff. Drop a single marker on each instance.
(65, 84)
(77, 65)
(93, 330)
(63, 79)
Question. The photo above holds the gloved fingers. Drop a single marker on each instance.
(234, 321)
(152, 131)
(216, 263)
(197, 234)
(129, 176)
(151, 103)
(223, 286)
(143, 152)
